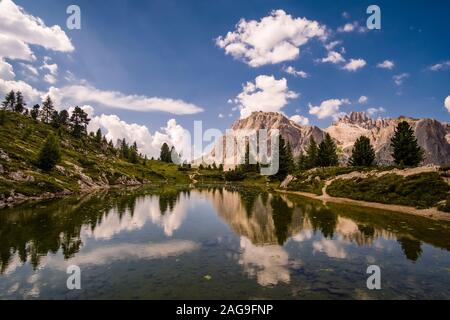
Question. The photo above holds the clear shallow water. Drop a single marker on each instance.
(217, 243)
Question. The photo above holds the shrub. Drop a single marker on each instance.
(50, 154)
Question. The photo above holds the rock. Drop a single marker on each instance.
(4, 156)
(287, 180)
(2, 171)
(60, 169)
(126, 181)
(20, 177)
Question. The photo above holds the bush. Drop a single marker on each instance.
(421, 190)
(50, 154)
(234, 175)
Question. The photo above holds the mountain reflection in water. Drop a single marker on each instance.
(110, 227)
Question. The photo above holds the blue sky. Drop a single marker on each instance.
(168, 49)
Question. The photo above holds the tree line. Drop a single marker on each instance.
(75, 123)
(406, 152)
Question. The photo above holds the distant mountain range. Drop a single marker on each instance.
(433, 136)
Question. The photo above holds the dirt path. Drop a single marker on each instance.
(193, 176)
(431, 213)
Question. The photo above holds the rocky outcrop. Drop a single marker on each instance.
(286, 181)
(430, 133)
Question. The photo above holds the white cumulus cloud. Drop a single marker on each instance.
(333, 57)
(373, 111)
(440, 66)
(265, 94)
(149, 144)
(296, 73)
(328, 108)
(6, 70)
(447, 103)
(352, 27)
(273, 39)
(386, 64)
(30, 94)
(399, 78)
(17, 24)
(299, 119)
(354, 64)
(86, 94)
(363, 99)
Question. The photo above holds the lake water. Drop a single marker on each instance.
(218, 243)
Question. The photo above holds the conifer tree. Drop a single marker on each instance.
(10, 101)
(64, 118)
(327, 155)
(47, 110)
(312, 154)
(133, 157)
(50, 153)
(286, 161)
(79, 121)
(406, 150)
(363, 153)
(20, 103)
(165, 155)
(34, 113)
(303, 162)
(55, 120)
(98, 136)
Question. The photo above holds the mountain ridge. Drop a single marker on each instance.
(432, 135)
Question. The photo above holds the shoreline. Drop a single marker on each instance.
(430, 213)
(20, 200)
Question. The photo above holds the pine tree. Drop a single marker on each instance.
(312, 154)
(133, 157)
(50, 153)
(286, 161)
(55, 120)
(327, 155)
(47, 110)
(363, 153)
(303, 162)
(407, 151)
(20, 103)
(124, 149)
(98, 136)
(78, 122)
(165, 155)
(64, 118)
(10, 101)
(34, 113)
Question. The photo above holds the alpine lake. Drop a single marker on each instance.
(218, 242)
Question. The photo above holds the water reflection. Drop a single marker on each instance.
(266, 225)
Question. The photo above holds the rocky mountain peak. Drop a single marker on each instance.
(433, 136)
(262, 120)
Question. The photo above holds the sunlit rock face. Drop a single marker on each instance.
(432, 135)
(253, 221)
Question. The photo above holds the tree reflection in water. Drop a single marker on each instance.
(261, 219)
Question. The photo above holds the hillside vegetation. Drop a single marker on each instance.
(422, 190)
(86, 163)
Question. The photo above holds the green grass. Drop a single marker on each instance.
(22, 137)
(423, 190)
(313, 180)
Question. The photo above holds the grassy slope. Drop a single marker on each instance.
(421, 190)
(21, 139)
